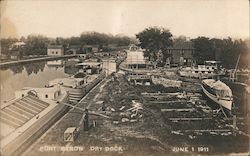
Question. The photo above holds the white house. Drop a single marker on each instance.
(55, 50)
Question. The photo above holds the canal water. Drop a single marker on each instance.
(36, 74)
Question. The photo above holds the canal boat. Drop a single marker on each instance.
(209, 70)
(28, 116)
(77, 85)
(218, 92)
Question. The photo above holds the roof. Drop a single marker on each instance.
(41, 90)
(18, 44)
(213, 62)
(66, 81)
(55, 46)
(89, 64)
(70, 130)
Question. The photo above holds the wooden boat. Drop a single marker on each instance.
(218, 92)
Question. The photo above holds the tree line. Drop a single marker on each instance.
(153, 40)
(37, 44)
(227, 50)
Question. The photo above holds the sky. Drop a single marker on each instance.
(65, 18)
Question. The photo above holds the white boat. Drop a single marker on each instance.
(209, 70)
(218, 92)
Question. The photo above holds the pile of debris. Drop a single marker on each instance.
(123, 115)
(166, 82)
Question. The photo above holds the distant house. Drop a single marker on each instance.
(181, 54)
(15, 54)
(17, 45)
(91, 48)
(55, 50)
(16, 50)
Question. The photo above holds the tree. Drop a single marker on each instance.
(154, 40)
(36, 45)
(203, 49)
(5, 45)
(225, 50)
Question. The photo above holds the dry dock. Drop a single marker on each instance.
(145, 120)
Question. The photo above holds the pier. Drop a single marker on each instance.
(46, 58)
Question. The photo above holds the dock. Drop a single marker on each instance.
(47, 58)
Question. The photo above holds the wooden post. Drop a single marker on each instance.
(234, 125)
(86, 121)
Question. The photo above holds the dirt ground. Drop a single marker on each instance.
(138, 127)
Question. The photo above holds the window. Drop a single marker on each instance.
(56, 52)
(46, 95)
(52, 52)
(22, 95)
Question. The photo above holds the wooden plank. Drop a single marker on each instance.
(168, 102)
(204, 130)
(189, 119)
(161, 94)
(178, 110)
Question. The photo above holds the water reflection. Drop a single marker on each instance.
(29, 68)
(36, 74)
(34, 67)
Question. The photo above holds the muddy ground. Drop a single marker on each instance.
(139, 127)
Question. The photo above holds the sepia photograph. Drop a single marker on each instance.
(125, 78)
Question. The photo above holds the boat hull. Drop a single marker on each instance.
(29, 136)
(224, 102)
(76, 94)
(196, 75)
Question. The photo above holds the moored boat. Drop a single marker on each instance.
(27, 117)
(209, 70)
(77, 85)
(218, 92)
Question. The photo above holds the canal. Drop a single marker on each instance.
(36, 74)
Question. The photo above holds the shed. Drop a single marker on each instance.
(70, 133)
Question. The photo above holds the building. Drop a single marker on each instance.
(90, 67)
(110, 66)
(16, 50)
(91, 48)
(181, 54)
(135, 57)
(55, 50)
(17, 45)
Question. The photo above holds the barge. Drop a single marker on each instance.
(34, 111)
(26, 118)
